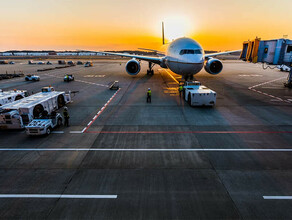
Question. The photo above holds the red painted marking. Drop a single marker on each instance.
(97, 115)
(190, 132)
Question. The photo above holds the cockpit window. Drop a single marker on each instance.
(197, 51)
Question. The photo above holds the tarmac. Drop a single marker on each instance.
(123, 158)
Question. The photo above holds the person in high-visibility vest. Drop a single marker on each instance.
(180, 89)
(66, 116)
(149, 95)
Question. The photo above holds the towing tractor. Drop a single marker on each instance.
(198, 95)
(33, 78)
(88, 64)
(68, 78)
(44, 125)
(32, 107)
(11, 96)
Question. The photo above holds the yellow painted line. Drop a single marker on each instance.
(171, 76)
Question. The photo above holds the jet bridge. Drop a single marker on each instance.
(271, 52)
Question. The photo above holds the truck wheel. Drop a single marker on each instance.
(48, 131)
(18, 97)
(59, 122)
(26, 79)
(38, 109)
(61, 101)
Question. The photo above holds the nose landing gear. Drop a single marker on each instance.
(188, 77)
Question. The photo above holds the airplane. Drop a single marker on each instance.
(184, 56)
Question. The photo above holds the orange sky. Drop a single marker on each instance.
(129, 24)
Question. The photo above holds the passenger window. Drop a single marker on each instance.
(289, 49)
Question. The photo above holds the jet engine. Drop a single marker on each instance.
(133, 67)
(213, 66)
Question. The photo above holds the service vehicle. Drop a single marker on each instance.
(284, 68)
(11, 62)
(88, 64)
(31, 62)
(71, 63)
(45, 125)
(198, 95)
(49, 63)
(32, 78)
(3, 62)
(79, 62)
(11, 96)
(40, 63)
(114, 85)
(68, 78)
(61, 62)
(32, 107)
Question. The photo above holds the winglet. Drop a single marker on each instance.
(163, 42)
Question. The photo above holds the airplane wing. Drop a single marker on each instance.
(157, 51)
(156, 60)
(221, 53)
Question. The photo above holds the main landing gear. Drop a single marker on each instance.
(150, 71)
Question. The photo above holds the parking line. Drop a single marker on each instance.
(153, 149)
(277, 197)
(99, 112)
(76, 132)
(57, 132)
(190, 132)
(57, 196)
(171, 76)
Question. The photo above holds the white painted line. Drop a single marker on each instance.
(57, 132)
(75, 132)
(57, 196)
(83, 130)
(171, 76)
(149, 149)
(277, 197)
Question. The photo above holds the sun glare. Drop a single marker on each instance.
(176, 27)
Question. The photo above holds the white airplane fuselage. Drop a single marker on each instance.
(184, 56)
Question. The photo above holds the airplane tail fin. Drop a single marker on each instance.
(163, 41)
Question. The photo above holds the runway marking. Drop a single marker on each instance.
(99, 112)
(76, 132)
(152, 150)
(77, 80)
(277, 197)
(252, 88)
(57, 132)
(57, 196)
(190, 132)
(171, 76)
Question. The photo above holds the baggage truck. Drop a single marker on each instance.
(11, 96)
(44, 125)
(197, 95)
(31, 107)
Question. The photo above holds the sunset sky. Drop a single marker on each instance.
(129, 24)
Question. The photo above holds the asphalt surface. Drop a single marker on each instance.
(123, 158)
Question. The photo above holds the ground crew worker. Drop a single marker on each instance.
(149, 95)
(66, 116)
(180, 89)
